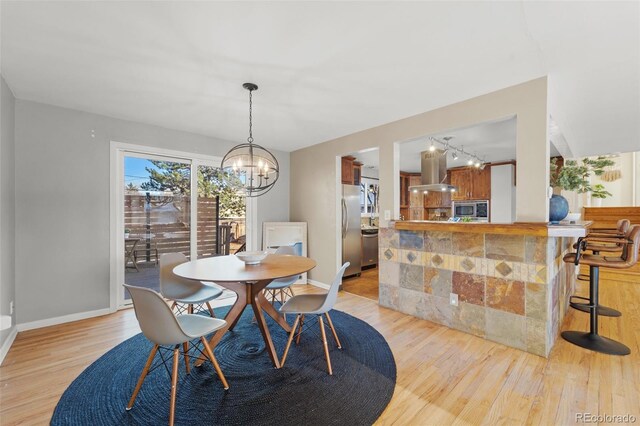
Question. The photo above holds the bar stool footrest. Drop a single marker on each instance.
(603, 311)
(595, 342)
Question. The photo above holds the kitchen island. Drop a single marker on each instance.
(510, 280)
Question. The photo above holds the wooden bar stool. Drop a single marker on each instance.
(596, 242)
(628, 258)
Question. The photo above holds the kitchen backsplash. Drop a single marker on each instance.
(364, 221)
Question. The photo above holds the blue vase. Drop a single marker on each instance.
(558, 208)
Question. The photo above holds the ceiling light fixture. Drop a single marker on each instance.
(472, 159)
(256, 167)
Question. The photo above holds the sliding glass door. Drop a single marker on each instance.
(157, 216)
(221, 212)
(171, 204)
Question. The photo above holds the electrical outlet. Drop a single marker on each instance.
(11, 308)
(453, 299)
(387, 215)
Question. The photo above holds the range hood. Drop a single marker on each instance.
(434, 172)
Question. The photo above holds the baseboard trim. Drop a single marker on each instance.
(63, 319)
(4, 350)
(319, 284)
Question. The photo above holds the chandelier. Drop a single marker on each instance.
(254, 165)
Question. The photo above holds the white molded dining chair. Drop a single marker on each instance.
(318, 305)
(282, 286)
(163, 328)
(182, 290)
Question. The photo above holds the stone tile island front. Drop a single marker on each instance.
(512, 285)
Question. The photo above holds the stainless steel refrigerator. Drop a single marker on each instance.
(351, 233)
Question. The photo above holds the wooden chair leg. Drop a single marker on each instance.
(286, 349)
(173, 305)
(174, 385)
(213, 315)
(333, 330)
(300, 332)
(326, 346)
(143, 375)
(190, 308)
(214, 361)
(185, 347)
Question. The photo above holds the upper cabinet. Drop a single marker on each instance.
(472, 183)
(351, 171)
(461, 179)
(481, 184)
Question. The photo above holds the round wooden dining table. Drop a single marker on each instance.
(247, 281)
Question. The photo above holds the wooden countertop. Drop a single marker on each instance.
(538, 229)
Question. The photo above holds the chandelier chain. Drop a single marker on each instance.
(250, 138)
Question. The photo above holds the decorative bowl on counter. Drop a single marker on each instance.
(252, 257)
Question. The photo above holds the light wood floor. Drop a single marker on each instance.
(444, 376)
(366, 285)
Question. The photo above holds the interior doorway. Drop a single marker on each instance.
(360, 192)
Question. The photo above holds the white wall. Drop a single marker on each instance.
(625, 192)
(62, 203)
(622, 190)
(503, 194)
(7, 206)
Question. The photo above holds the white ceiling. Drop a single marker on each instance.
(326, 69)
(491, 142)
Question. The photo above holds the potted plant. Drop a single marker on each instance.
(127, 232)
(599, 193)
(573, 176)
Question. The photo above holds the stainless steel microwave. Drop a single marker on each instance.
(478, 210)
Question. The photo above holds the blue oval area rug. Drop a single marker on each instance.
(302, 392)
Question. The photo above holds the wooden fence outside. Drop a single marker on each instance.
(166, 226)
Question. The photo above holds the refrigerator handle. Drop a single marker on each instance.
(344, 218)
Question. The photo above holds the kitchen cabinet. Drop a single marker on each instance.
(461, 179)
(357, 173)
(416, 199)
(347, 170)
(438, 199)
(472, 183)
(481, 184)
(410, 203)
(351, 171)
(404, 189)
(404, 196)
